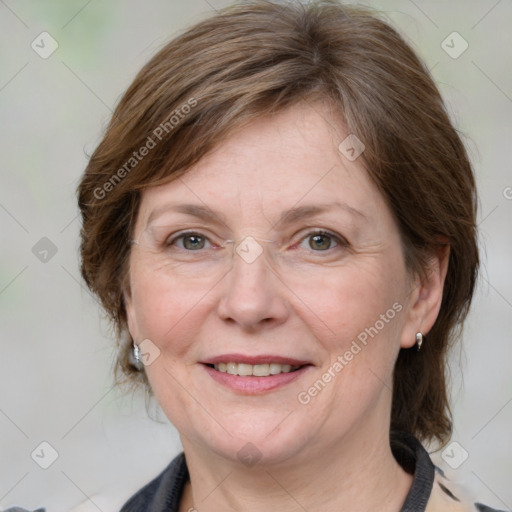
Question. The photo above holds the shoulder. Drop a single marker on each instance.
(448, 496)
(21, 509)
(431, 491)
(164, 492)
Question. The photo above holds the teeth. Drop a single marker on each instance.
(275, 368)
(258, 370)
(245, 369)
(261, 370)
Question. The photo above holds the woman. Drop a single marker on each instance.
(280, 220)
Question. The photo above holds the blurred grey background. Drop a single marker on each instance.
(64, 66)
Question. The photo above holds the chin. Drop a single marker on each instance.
(265, 439)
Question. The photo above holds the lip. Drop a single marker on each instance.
(260, 359)
(255, 385)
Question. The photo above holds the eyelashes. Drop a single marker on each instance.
(320, 241)
(321, 235)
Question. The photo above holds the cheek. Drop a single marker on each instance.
(166, 311)
(360, 300)
(362, 314)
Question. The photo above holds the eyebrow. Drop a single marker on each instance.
(300, 212)
(195, 210)
(287, 217)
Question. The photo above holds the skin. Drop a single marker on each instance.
(329, 454)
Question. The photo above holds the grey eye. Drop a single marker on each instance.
(320, 241)
(192, 242)
(189, 241)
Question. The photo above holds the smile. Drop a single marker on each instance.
(256, 370)
(254, 375)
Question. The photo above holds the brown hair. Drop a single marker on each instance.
(258, 57)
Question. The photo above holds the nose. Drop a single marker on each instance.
(253, 296)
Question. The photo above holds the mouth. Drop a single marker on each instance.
(254, 375)
(256, 370)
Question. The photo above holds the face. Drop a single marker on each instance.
(285, 337)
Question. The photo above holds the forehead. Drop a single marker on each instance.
(274, 164)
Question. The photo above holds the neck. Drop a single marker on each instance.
(358, 475)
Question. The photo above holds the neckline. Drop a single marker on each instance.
(413, 458)
(165, 492)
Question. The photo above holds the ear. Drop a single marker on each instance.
(426, 297)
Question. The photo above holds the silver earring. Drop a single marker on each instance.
(136, 354)
(419, 340)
